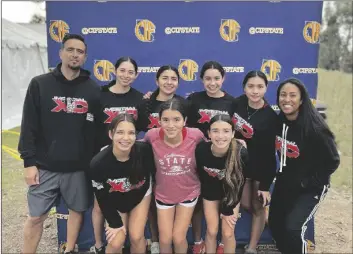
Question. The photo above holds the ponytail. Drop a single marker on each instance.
(233, 179)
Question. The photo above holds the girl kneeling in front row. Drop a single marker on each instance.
(220, 164)
(121, 177)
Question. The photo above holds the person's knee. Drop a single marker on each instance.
(257, 208)
(116, 245)
(37, 220)
(227, 234)
(178, 237)
(293, 229)
(165, 238)
(136, 237)
(212, 231)
(246, 205)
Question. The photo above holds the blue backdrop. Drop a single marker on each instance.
(279, 38)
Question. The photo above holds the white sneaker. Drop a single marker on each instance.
(250, 251)
(155, 248)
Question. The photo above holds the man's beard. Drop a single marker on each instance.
(74, 68)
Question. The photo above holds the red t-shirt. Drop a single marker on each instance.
(176, 175)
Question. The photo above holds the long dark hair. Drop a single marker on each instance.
(136, 172)
(212, 65)
(309, 118)
(233, 179)
(174, 104)
(126, 59)
(156, 92)
(252, 74)
(159, 73)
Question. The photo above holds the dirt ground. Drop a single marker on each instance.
(333, 221)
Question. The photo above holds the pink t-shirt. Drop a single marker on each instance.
(176, 176)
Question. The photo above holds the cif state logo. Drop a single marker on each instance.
(187, 69)
(103, 70)
(271, 68)
(58, 29)
(311, 32)
(144, 30)
(229, 30)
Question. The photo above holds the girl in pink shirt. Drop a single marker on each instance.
(177, 183)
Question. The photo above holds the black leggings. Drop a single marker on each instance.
(289, 217)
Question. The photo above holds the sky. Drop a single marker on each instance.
(21, 11)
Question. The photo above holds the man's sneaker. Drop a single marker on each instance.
(155, 248)
(220, 248)
(199, 248)
(100, 250)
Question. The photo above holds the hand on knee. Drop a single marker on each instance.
(118, 241)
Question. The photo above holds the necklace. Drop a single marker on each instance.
(250, 115)
(215, 153)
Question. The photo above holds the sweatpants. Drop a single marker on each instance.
(289, 216)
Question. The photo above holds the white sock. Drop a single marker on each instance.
(199, 242)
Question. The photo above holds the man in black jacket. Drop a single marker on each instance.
(57, 141)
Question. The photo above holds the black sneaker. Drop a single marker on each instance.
(101, 250)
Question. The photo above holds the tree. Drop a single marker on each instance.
(336, 37)
(330, 45)
(37, 19)
(345, 19)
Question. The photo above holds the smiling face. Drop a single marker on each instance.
(290, 100)
(126, 74)
(221, 134)
(255, 89)
(124, 136)
(73, 54)
(168, 82)
(172, 123)
(212, 81)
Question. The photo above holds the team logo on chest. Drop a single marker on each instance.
(70, 105)
(123, 185)
(154, 121)
(292, 150)
(214, 172)
(115, 111)
(243, 126)
(207, 114)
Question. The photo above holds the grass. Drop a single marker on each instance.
(11, 169)
(335, 90)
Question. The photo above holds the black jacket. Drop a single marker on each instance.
(58, 129)
(309, 159)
